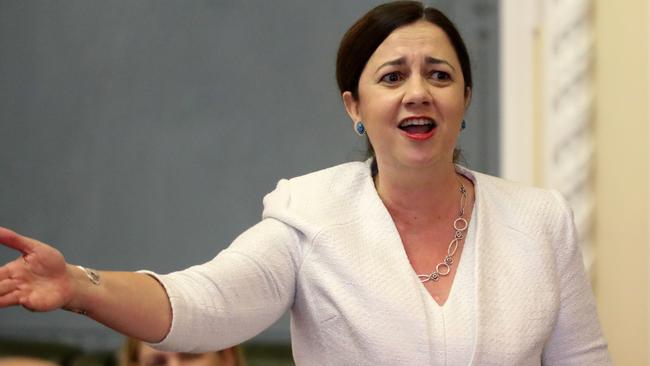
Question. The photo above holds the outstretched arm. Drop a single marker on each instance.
(134, 304)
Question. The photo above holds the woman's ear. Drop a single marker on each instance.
(351, 106)
(468, 96)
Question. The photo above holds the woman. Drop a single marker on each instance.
(135, 353)
(365, 254)
(25, 361)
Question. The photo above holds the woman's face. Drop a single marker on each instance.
(152, 357)
(412, 98)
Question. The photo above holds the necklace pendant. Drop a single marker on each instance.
(435, 276)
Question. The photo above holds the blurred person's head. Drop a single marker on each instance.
(136, 353)
(25, 361)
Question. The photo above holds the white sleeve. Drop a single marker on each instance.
(577, 338)
(236, 295)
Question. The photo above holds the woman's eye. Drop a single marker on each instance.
(441, 76)
(391, 77)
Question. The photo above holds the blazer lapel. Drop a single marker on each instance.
(490, 249)
(513, 291)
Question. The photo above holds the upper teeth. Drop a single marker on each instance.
(416, 122)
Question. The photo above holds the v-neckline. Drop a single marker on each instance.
(461, 265)
(404, 260)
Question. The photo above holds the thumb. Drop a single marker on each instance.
(18, 242)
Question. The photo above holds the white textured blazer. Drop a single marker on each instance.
(328, 250)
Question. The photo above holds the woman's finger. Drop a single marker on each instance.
(4, 272)
(7, 286)
(15, 241)
(9, 299)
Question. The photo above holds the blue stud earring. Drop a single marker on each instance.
(359, 128)
(463, 125)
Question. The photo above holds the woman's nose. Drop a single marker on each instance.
(417, 92)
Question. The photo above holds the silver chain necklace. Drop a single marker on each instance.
(460, 226)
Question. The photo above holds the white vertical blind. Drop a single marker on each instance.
(569, 93)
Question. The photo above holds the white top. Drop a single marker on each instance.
(328, 250)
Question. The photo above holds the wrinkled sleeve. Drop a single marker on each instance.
(236, 295)
(577, 338)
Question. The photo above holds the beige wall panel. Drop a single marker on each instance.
(622, 177)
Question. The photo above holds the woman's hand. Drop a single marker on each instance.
(38, 280)
(134, 304)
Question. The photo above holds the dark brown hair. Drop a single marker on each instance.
(363, 38)
(130, 354)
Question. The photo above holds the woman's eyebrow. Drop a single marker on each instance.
(395, 62)
(436, 61)
(428, 59)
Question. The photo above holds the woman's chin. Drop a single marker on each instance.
(417, 160)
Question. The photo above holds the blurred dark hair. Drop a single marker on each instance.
(363, 38)
(129, 355)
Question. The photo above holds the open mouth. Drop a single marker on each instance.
(417, 126)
